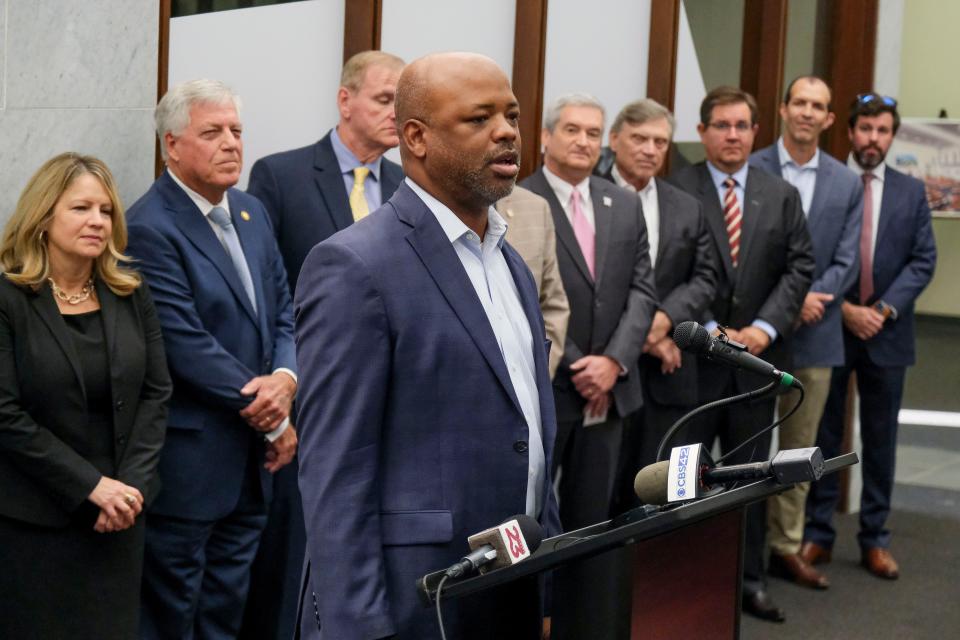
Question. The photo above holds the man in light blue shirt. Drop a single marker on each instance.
(832, 199)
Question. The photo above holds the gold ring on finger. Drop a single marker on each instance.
(129, 499)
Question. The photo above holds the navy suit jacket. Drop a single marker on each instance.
(834, 219)
(904, 259)
(412, 437)
(304, 194)
(215, 341)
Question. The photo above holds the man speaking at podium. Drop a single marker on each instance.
(426, 406)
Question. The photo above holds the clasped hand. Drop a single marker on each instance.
(119, 503)
(272, 401)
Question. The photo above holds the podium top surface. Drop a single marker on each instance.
(632, 527)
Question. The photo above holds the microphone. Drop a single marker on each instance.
(499, 546)
(692, 337)
(689, 473)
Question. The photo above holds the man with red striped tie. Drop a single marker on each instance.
(760, 231)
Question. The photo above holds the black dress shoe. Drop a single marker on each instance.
(761, 605)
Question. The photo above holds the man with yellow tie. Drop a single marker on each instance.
(310, 194)
(315, 191)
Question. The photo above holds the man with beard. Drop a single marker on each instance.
(897, 259)
(425, 404)
(605, 267)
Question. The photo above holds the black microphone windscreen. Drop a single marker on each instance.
(650, 485)
(691, 336)
(531, 529)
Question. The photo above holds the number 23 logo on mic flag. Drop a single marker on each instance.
(516, 545)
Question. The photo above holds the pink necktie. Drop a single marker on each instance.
(583, 231)
(866, 241)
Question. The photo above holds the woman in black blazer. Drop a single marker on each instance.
(83, 392)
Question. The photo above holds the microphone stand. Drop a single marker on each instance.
(722, 402)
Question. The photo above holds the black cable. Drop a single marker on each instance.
(443, 634)
(765, 429)
(712, 405)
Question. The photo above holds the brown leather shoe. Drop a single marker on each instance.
(812, 553)
(793, 567)
(880, 563)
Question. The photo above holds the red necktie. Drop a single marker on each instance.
(866, 241)
(583, 231)
(732, 218)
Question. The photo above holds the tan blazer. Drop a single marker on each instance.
(530, 231)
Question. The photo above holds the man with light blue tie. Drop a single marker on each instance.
(760, 231)
(208, 254)
(832, 200)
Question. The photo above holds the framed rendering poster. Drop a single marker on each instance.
(929, 149)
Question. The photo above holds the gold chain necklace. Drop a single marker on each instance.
(74, 298)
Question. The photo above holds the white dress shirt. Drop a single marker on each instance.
(650, 201)
(564, 192)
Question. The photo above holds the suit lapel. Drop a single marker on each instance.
(531, 308)
(329, 181)
(888, 208)
(440, 258)
(603, 220)
(563, 227)
(46, 307)
(714, 215)
(668, 221)
(752, 210)
(820, 190)
(197, 230)
(108, 312)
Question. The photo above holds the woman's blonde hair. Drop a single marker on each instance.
(23, 252)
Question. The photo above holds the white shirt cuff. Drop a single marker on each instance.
(271, 436)
(288, 372)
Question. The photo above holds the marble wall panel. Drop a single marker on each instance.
(95, 53)
(121, 138)
(3, 53)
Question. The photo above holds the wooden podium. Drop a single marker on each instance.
(687, 567)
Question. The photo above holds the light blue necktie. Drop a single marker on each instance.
(220, 216)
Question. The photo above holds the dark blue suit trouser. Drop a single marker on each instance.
(275, 576)
(196, 573)
(881, 390)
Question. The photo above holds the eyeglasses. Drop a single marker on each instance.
(867, 98)
(725, 127)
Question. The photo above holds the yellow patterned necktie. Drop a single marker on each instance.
(358, 199)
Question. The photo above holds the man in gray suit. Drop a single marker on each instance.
(685, 267)
(605, 267)
(760, 232)
(531, 232)
(832, 199)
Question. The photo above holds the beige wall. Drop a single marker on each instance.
(929, 54)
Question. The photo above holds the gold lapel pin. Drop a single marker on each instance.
(245, 216)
